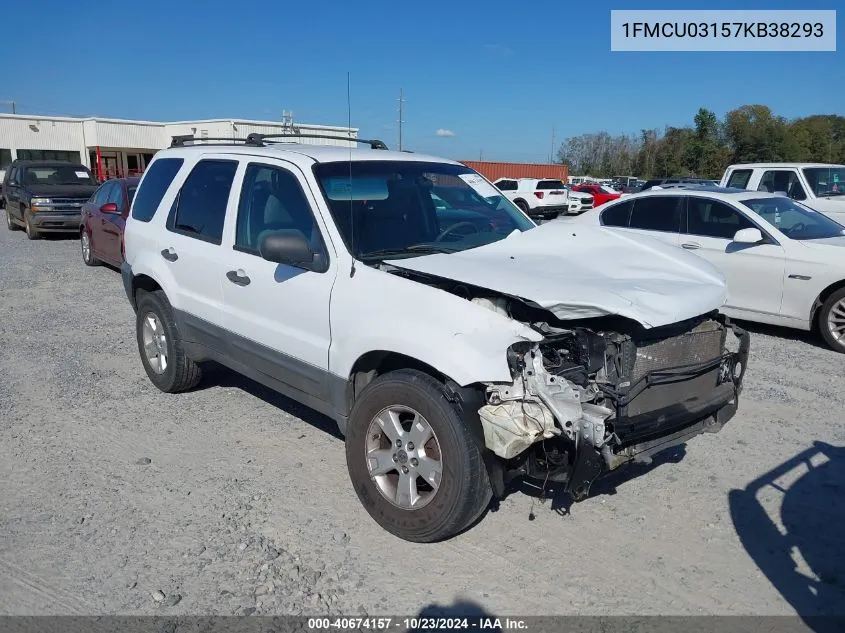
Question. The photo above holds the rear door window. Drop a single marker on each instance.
(739, 178)
(153, 187)
(200, 208)
(657, 213)
(617, 214)
(711, 218)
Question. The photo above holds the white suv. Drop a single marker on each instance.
(456, 344)
(540, 198)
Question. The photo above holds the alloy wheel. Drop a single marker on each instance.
(155, 343)
(836, 321)
(85, 242)
(403, 457)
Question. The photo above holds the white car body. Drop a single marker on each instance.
(794, 183)
(326, 329)
(779, 281)
(578, 201)
(544, 198)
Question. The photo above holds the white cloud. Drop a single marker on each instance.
(444, 132)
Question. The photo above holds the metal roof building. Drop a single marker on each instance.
(118, 147)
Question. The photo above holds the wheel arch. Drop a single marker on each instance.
(819, 302)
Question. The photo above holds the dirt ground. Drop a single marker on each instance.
(116, 498)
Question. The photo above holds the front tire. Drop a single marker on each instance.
(87, 251)
(10, 223)
(31, 232)
(160, 345)
(415, 465)
(832, 321)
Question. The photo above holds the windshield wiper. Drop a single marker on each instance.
(422, 249)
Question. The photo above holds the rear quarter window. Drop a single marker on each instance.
(155, 183)
(739, 178)
(617, 214)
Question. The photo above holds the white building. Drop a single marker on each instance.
(118, 147)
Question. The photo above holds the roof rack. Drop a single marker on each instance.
(182, 140)
(258, 139)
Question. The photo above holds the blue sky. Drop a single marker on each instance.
(500, 76)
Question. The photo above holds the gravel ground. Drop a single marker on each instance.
(117, 498)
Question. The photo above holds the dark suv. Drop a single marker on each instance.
(46, 196)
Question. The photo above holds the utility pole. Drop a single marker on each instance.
(552, 153)
(11, 103)
(481, 154)
(401, 103)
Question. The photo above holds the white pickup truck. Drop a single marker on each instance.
(817, 185)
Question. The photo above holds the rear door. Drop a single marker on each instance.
(191, 248)
(658, 217)
(754, 272)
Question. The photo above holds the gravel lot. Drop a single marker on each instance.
(117, 498)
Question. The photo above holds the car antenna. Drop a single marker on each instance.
(351, 207)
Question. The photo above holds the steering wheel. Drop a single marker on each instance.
(797, 228)
(449, 229)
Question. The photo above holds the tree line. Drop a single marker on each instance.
(751, 133)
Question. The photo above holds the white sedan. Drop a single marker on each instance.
(784, 263)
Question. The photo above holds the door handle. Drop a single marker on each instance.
(238, 277)
(690, 246)
(169, 254)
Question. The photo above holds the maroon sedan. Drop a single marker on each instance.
(103, 219)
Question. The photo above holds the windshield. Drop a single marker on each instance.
(550, 184)
(59, 175)
(826, 181)
(607, 189)
(794, 220)
(392, 209)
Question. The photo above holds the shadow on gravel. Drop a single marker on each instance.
(562, 503)
(431, 617)
(786, 333)
(215, 375)
(808, 492)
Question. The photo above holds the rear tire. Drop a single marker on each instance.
(31, 232)
(462, 489)
(523, 206)
(160, 345)
(832, 321)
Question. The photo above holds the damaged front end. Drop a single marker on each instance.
(601, 393)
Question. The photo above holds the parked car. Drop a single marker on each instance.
(451, 360)
(600, 193)
(46, 196)
(817, 185)
(676, 182)
(578, 201)
(103, 221)
(540, 198)
(784, 262)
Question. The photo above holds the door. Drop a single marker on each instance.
(754, 272)
(94, 219)
(658, 217)
(278, 315)
(191, 247)
(112, 223)
(13, 193)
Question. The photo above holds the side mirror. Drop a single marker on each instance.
(748, 236)
(286, 247)
(109, 207)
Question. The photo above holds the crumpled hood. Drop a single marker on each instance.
(578, 271)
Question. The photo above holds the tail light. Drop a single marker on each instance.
(539, 194)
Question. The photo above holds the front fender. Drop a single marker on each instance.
(378, 311)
